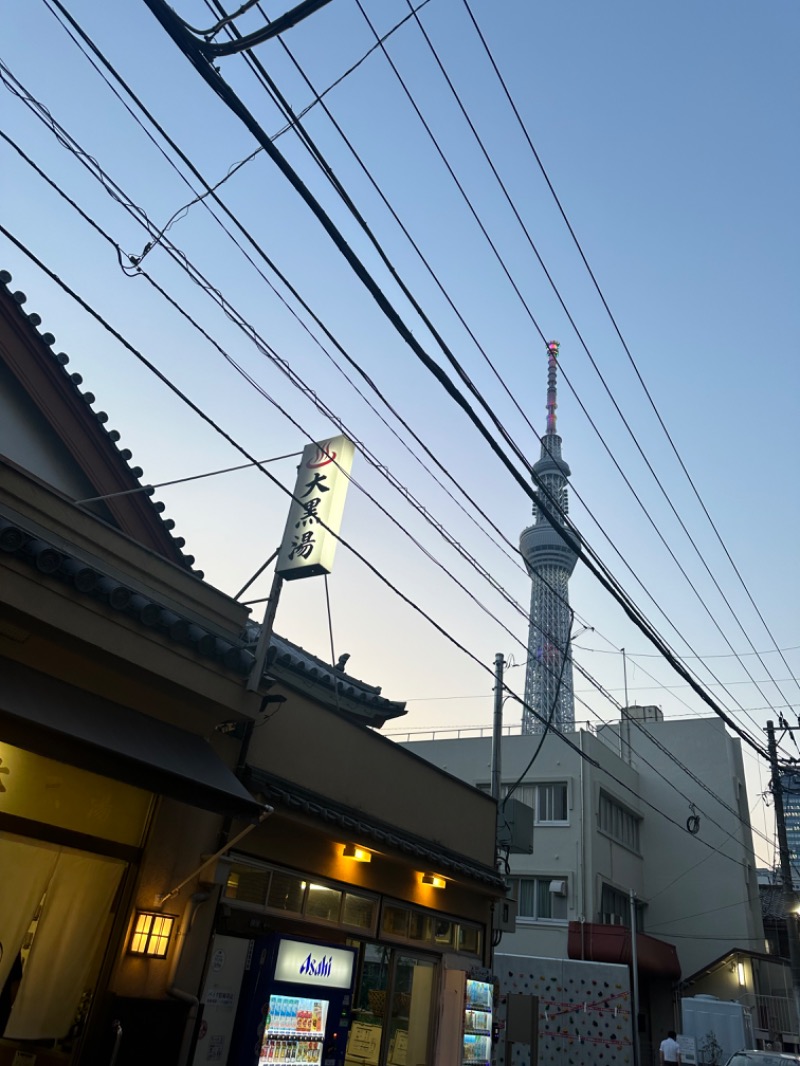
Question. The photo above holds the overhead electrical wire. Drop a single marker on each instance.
(278, 98)
(599, 571)
(659, 533)
(205, 334)
(254, 461)
(359, 555)
(633, 363)
(284, 367)
(487, 522)
(127, 89)
(306, 140)
(63, 136)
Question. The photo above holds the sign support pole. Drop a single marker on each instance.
(265, 636)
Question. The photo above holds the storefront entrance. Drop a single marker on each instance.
(393, 1009)
(67, 837)
(56, 912)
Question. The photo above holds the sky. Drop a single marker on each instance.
(656, 144)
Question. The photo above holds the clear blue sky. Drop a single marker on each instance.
(669, 133)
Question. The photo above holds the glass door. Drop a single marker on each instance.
(393, 1009)
(411, 1011)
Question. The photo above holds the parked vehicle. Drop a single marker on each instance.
(719, 1027)
(763, 1058)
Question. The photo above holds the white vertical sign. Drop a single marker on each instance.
(308, 547)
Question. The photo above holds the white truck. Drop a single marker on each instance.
(718, 1027)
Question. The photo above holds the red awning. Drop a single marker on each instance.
(612, 943)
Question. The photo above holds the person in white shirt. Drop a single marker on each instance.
(669, 1051)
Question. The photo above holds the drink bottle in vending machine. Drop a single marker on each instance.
(295, 1003)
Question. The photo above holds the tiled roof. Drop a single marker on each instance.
(286, 662)
(45, 343)
(305, 672)
(773, 904)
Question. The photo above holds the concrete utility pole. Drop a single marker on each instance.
(497, 728)
(637, 1055)
(789, 894)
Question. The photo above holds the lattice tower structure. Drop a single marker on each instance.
(549, 695)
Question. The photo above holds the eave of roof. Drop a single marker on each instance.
(287, 663)
(304, 672)
(111, 469)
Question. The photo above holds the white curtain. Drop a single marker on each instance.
(25, 871)
(68, 935)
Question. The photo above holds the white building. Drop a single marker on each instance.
(658, 807)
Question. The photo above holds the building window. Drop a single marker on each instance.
(427, 929)
(615, 908)
(258, 886)
(618, 823)
(548, 800)
(540, 898)
(551, 803)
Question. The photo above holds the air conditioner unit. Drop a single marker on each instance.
(558, 888)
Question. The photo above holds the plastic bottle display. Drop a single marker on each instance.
(291, 1025)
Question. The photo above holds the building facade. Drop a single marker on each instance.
(612, 817)
(162, 822)
(790, 784)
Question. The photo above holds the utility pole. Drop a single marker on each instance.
(789, 894)
(637, 1055)
(497, 727)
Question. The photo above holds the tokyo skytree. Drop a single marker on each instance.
(549, 695)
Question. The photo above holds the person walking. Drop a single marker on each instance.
(669, 1051)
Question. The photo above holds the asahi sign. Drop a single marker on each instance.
(313, 964)
(315, 515)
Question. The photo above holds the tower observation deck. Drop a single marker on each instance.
(549, 696)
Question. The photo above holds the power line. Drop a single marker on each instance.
(283, 365)
(632, 361)
(487, 521)
(337, 185)
(220, 87)
(96, 51)
(598, 570)
(275, 481)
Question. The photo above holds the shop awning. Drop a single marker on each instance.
(612, 943)
(60, 721)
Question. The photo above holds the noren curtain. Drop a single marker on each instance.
(79, 890)
(26, 872)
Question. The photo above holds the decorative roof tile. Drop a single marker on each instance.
(44, 343)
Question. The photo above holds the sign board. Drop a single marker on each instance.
(364, 1044)
(315, 515)
(313, 964)
(688, 1049)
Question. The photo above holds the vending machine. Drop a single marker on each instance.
(465, 1029)
(295, 1003)
(478, 1023)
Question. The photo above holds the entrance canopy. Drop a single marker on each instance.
(612, 943)
(59, 721)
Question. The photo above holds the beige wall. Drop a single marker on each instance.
(313, 747)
